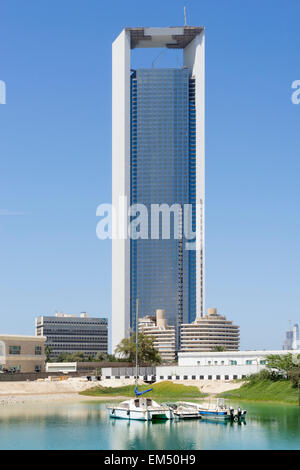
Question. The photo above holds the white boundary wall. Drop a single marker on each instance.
(61, 367)
(213, 371)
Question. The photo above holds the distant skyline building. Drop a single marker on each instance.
(158, 157)
(291, 340)
(296, 342)
(67, 333)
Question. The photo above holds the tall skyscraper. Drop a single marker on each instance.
(158, 158)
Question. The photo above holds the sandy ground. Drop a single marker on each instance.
(67, 390)
(23, 392)
(212, 387)
(49, 391)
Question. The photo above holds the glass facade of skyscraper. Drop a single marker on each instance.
(162, 171)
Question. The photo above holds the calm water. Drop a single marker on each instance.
(86, 426)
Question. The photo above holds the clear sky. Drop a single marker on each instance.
(55, 156)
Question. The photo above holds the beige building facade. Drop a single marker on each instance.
(209, 332)
(20, 353)
(163, 335)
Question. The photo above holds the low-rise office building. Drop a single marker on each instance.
(163, 334)
(209, 332)
(20, 353)
(225, 358)
(70, 334)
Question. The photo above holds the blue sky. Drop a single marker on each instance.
(55, 157)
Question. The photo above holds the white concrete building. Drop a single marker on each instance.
(208, 332)
(192, 41)
(225, 358)
(163, 335)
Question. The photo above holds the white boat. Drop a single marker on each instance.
(218, 411)
(140, 408)
(185, 412)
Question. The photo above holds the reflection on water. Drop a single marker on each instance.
(87, 426)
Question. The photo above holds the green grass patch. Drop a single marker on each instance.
(164, 391)
(265, 390)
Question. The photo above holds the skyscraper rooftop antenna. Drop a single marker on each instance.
(184, 14)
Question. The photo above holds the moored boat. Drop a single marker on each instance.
(140, 408)
(218, 411)
(185, 412)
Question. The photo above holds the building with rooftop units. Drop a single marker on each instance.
(67, 333)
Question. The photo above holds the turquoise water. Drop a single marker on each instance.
(85, 425)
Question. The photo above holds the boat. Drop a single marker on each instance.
(218, 411)
(140, 407)
(183, 411)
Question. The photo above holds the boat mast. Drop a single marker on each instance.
(136, 341)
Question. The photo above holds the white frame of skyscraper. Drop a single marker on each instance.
(192, 41)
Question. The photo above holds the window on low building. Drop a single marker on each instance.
(14, 349)
(263, 361)
(38, 350)
(37, 368)
(233, 363)
(248, 362)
